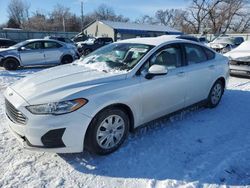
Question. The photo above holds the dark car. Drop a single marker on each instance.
(92, 44)
(6, 43)
(79, 38)
(62, 39)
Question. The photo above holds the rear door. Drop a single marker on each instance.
(200, 71)
(53, 52)
(32, 54)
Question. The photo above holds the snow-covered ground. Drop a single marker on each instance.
(196, 148)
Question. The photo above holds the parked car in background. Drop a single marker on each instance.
(188, 37)
(41, 52)
(225, 43)
(62, 39)
(79, 38)
(203, 40)
(92, 44)
(94, 103)
(5, 43)
(240, 59)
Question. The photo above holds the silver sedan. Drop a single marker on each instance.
(37, 52)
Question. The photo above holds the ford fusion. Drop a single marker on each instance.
(95, 102)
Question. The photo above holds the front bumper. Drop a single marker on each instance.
(59, 134)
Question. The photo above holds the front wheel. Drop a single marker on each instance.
(215, 94)
(10, 64)
(107, 131)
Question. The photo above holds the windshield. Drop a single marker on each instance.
(116, 57)
(19, 44)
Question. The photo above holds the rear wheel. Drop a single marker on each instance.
(10, 64)
(107, 131)
(66, 59)
(215, 94)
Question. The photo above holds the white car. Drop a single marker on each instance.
(240, 59)
(93, 103)
(225, 44)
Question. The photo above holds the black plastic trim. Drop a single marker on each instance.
(53, 138)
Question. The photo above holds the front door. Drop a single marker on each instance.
(165, 93)
(32, 54)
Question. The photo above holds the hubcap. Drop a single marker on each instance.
(110, 131)
(216, 94)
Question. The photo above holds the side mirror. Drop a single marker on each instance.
(156, 70)
(22, 48)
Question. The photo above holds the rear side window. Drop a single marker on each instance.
(209, 53)
(195, 54)
(108, 40)
(49, 45)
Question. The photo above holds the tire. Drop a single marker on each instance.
(101, 138)
(87, 52)
(66, 59)
(215, 94)
(10, 64)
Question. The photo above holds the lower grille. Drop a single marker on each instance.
(14, 114)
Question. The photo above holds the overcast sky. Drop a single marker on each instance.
(129, 8)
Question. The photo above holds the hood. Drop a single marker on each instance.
(243, 55)
(6, 50)
(61, 82)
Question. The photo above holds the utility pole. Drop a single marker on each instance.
(63, 23)
(82, 14)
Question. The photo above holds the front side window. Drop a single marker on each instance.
(195, 54)
(116, 56)
(34, 46)
(169, 57)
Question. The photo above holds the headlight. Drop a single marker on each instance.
(57, 108)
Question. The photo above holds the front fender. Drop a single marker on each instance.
(9, 56)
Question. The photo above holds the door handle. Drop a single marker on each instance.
(180, 74)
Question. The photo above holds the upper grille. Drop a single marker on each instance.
(14, 114)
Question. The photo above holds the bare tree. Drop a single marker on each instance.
(37, 22)
(104, 12)
(146, 19)
(18, 11)
(222, 16)
(198, 13)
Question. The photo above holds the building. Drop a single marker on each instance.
(125, 30)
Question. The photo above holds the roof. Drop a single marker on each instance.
(155, 41)
(139, 27)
